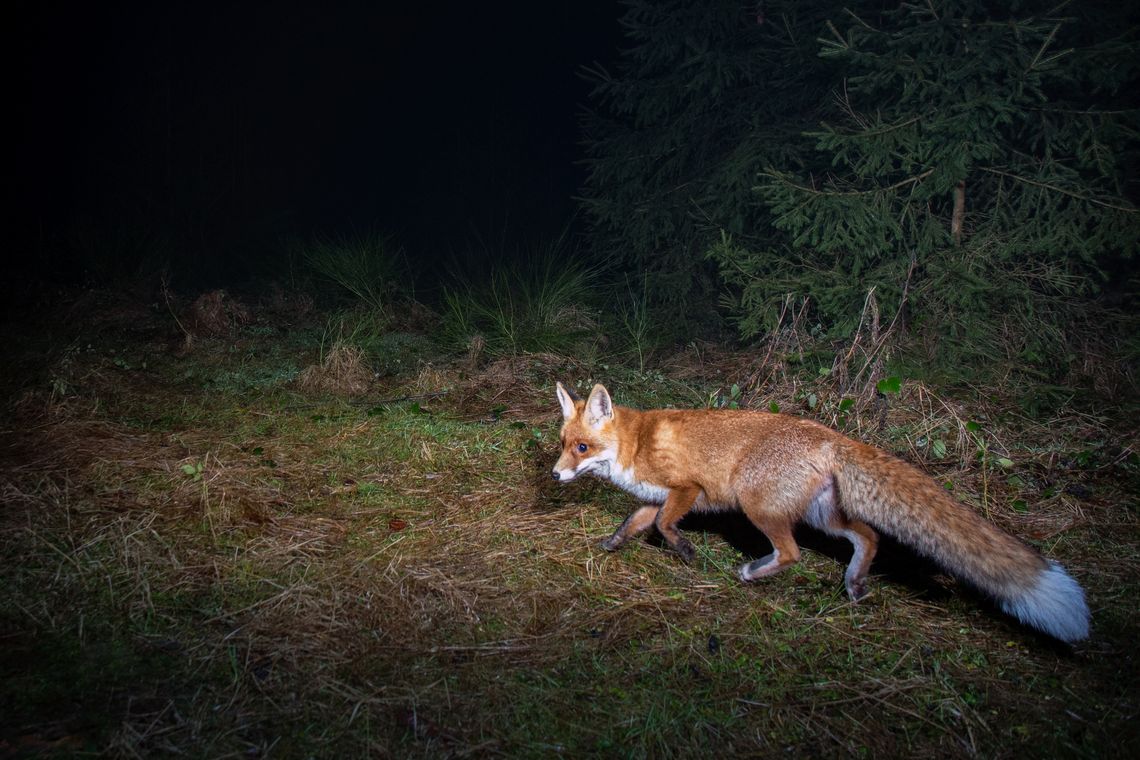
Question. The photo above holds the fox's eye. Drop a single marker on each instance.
(582, 448)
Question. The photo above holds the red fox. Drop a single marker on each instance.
(780, 470)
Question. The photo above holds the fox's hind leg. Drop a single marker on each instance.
(866, 542)
(638, 522)
(784, 550)
(824, 513)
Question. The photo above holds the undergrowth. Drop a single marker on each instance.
(542, 300)
(200, 556)
(369, 267)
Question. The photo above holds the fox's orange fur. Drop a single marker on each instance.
(780, 470)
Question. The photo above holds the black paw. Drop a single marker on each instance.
(612, 544)
(857, 589)
(686, 549)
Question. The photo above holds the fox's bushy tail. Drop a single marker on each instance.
(898, 500)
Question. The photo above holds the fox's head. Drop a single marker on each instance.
(589, 441)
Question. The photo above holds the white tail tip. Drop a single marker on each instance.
(1055, 605)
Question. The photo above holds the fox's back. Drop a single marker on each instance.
(728, 450)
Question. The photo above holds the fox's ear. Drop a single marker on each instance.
(566, 399)
(599, 407)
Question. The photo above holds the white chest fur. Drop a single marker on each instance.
(625, 478)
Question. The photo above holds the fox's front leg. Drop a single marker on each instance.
(636, 523)
(679, 501)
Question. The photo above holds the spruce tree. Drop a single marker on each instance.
(707, 94)
(980, 162)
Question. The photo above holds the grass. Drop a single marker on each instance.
(365, 266)
(540, 303)
(201, 557)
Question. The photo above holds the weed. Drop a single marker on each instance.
(540, 304)
(638, 330)
(369, 267)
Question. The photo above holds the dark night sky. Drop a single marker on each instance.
(225, 122)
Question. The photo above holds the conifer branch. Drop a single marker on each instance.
(1061, 190)
(1045, 44)
(837, 193)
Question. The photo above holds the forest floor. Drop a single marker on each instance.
(204, 553)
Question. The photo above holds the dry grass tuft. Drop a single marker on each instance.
(343, 371)
(519, 387)
(1098, 363)
(215, 313)
(431, 378)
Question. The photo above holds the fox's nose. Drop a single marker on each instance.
(554, 474)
